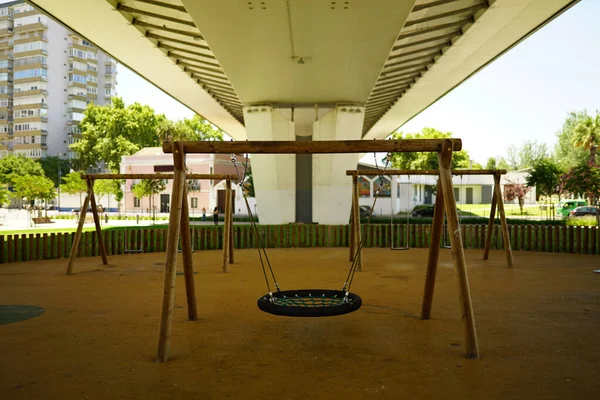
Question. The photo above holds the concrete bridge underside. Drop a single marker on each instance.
(305, 70)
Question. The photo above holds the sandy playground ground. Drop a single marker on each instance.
(538, 326)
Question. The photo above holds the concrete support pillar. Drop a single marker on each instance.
(274, 175)
(331, 187)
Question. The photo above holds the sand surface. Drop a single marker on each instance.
(538, 327)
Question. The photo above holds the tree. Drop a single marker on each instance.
(587, 135)
(4, 196)
(73, 184)
(106, 187)
(565, 153)
(195, 128)
(583, 180)
(149, 187)
(491, 163)
(526, 155)
(34, 187)
(545, 176)
(516, 191)
(14, 166)
(51, 165)
(460, 159)
(110, 132)
(502, 164)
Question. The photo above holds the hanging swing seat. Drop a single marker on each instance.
(309, 303)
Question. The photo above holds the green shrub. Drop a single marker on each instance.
(581, 221)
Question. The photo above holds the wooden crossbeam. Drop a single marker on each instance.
(436, 172)
(313, 147)
(158, 176)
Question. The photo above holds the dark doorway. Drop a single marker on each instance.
(428, 194)
(469, 195)
(164, 203)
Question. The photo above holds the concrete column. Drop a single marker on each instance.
(274, 175)
(331, 187)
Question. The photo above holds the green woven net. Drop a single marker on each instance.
(309, 301)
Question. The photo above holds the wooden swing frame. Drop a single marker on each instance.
(497, 203)
(90, 200)
(443, 148)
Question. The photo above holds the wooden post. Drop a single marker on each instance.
(490, 230)
(352, 216)
(90, 184)
(434, 250)
(77, 238)
(226, 226)
(503, 223)
(458, 254)
(230, 208)
(168, 300)
(356, 230)
(188, 264)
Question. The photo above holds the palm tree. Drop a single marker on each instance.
(587, 135)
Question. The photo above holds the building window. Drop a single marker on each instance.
(31, 73)
(3, 76)
(457, 194)
(136, 202)
(92, 90)
(77, 78)
(194, 202)
(19, 48)
(30, 60)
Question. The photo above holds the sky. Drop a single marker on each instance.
(524, 95)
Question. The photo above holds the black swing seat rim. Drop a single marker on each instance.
(317, 303)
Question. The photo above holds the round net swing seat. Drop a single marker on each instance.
(309, 303)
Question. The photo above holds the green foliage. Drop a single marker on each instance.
(527, 155)
(582, 221)
(491, 163)
(104, 187)
(4, 196)
(460, 159)
(149, 187)
(587, 135)
(583, 180)
(110, 132)
(73, 184)
(51, 165)
(502, 164)
(14, 166)
(195, 128)
(565, 153)
(545, 176)
(33, 187)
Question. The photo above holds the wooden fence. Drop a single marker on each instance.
(563, 239)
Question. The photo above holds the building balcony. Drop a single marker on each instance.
(30, 93)
(36, 26)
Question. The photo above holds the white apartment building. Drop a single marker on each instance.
(48, 75)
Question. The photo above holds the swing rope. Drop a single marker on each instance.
(260, 248)
(355, 261)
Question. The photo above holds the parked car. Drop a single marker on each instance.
(581, 211)
(423, 211)
(564, 208)
(78, 210)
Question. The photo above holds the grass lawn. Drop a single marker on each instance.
(88, 228)
(513, 210)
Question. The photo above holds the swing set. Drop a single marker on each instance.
(312, 302)
(497, 203)
(90, 199)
